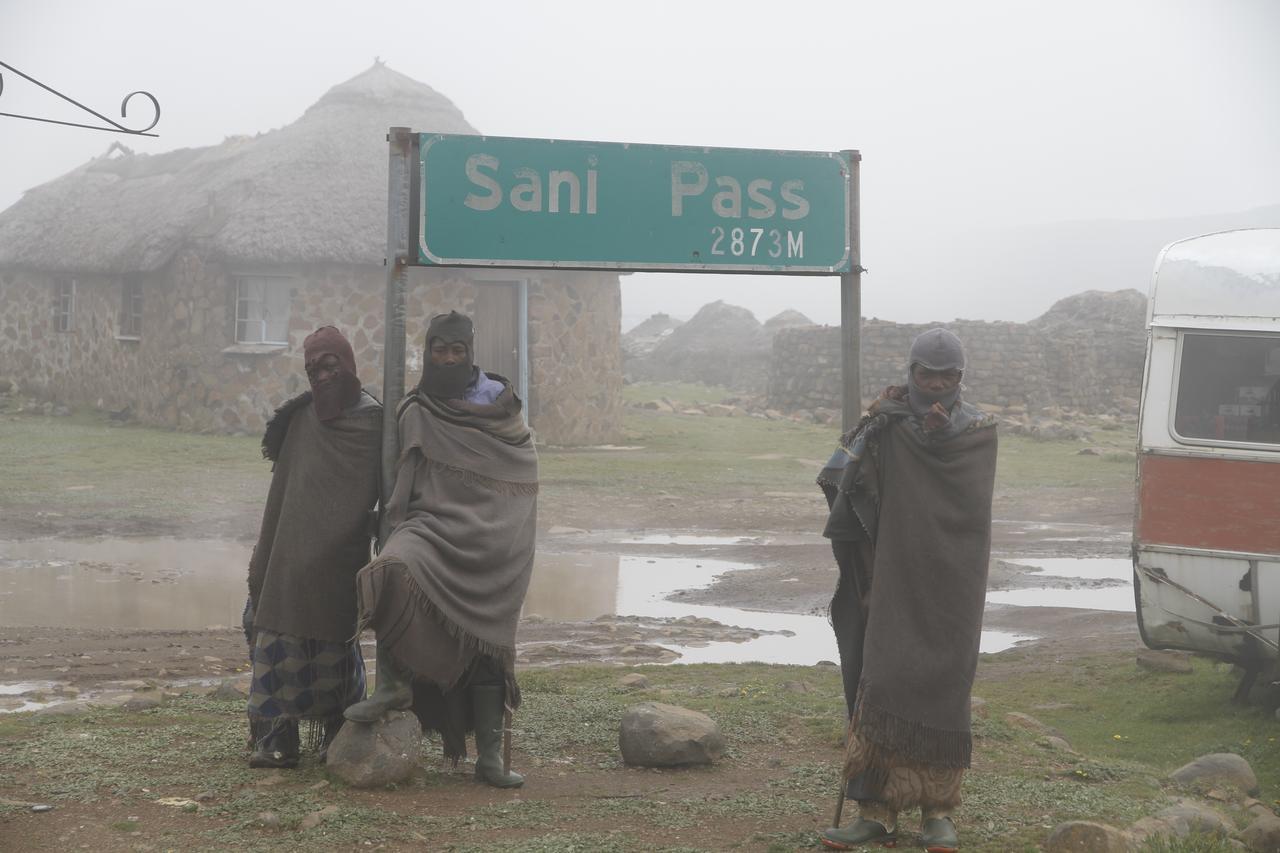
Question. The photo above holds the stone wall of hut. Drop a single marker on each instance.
(1016, 365)
(183, 370)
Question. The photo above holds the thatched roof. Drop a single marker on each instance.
(313, 191)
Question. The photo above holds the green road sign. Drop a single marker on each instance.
(510, 202)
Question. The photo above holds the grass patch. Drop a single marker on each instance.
(1018, 791)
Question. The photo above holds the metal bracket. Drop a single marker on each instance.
(116, 127)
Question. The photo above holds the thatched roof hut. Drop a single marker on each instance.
(312, 191)
(303, 206)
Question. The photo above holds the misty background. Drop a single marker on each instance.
(1013, 153)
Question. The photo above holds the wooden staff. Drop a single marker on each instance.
(506, 739)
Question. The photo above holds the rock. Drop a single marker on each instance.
(1028, 722)
(1263, 834)
(1058, 744)
(796, 687)
(1087, 837)
(143, 702)
(314, 819)
(718, 410)
(633, 681)
(204, 796)
(654, 734)
(229, 691)
(1179, 821)
(373, 755)
(1219, 768)
(268, 820)
(1156, 660)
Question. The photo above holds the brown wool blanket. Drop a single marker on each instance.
(315, 527)
(925, 499)
(452, 576)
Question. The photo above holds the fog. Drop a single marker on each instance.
(984, 126)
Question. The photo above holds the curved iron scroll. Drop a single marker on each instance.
(116, 127)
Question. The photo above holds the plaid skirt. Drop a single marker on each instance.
(298, 678)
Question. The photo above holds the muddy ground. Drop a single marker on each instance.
(793, 573)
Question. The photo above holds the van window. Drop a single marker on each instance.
(1228, 389)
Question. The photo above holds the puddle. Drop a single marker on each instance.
(18, 688)
(171, 584)
(683, 539)
(1105, 583)
(174, 584)
(587, 586)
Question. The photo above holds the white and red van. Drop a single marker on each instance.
(1206, 539)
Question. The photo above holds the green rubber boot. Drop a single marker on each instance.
(489, 707)
(938, 834)
(858, 833)
(391, 692)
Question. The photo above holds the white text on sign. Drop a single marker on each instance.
(690, 179)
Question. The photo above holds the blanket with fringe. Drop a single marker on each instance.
(920, 502)
(451, 577)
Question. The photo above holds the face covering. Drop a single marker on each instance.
(936, 349)
(449, 381)
(342, 388)
(921, 401)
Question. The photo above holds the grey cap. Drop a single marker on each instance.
(937, 349)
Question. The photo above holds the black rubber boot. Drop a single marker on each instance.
(279, 749)
(489, 707)
(391, 692)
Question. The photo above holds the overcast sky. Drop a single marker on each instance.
(979, 114)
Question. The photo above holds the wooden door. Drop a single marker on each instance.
(497, 324)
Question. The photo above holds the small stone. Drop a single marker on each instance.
(142, 702)
(1263, 833)
(633, 681)
(314, 819)
(268, 820)
(205, 796)
(229, 690)
(39, 808)
(1086, 837)
(319, 786)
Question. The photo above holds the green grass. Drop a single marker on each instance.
(144, 481)
(1018, 791)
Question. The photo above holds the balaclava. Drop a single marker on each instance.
(448, 381)
(343, 389)
(936, 349)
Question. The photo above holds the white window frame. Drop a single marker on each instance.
(64, 304)
(244, 316)
(130, 308)
(1175, 394)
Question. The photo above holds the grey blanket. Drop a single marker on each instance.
(920, 504)
(315, 527)
(462, 512)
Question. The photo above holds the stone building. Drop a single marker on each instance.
(181, 285)
(1085, 353)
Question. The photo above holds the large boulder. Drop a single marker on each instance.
(654, 734)
(641, 340)
(788, 319)
(1179, 821)
(722, 345)
(1216, 769)
(374, 755)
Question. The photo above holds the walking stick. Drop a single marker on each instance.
(844, 783)
(506, 739)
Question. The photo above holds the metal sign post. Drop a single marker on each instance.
(851, 308)
(400, 147)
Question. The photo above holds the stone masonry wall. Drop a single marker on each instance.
(1010, 364)
(181, 372)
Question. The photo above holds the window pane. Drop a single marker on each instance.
(262, 309)
(1229, 388)
(275, 310)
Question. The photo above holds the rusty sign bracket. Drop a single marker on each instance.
(115, 126)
